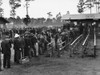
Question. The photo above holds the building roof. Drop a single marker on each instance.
(81, 16)
(3, 20)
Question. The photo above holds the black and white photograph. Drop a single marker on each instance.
(49, 37)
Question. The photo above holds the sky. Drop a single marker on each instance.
(40, 8)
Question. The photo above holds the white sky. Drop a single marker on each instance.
(40, 8)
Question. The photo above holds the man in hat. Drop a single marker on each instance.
(6, 50)
(17, 49)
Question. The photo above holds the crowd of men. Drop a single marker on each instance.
(32, 42)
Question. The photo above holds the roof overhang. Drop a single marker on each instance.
(79, 17)
(3, 20)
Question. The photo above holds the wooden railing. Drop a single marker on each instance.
(76, 39)
(74, 44)
(86, 40)
(84, 45)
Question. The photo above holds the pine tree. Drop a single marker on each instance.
(1, 9)
(14, 5)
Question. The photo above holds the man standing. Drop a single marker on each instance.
(1, 64)
(33, 42)
(28, 45)
(6, 50)
(17, 48)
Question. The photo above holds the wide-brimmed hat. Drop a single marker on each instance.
(16, 35)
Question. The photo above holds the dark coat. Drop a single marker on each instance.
(33, 40)
(6, 45)
(28, 42)
(18, 43)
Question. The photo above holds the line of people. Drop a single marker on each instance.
(34, 42)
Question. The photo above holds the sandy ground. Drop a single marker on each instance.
(56, 66)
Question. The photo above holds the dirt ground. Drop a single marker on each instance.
(56, 66)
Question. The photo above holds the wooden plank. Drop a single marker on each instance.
(85, 40)
(76, 39)
(94, 38)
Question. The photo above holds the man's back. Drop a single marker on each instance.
(6, 45)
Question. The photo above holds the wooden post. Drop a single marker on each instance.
(1, 58)
(94, 42)
(94, 51)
